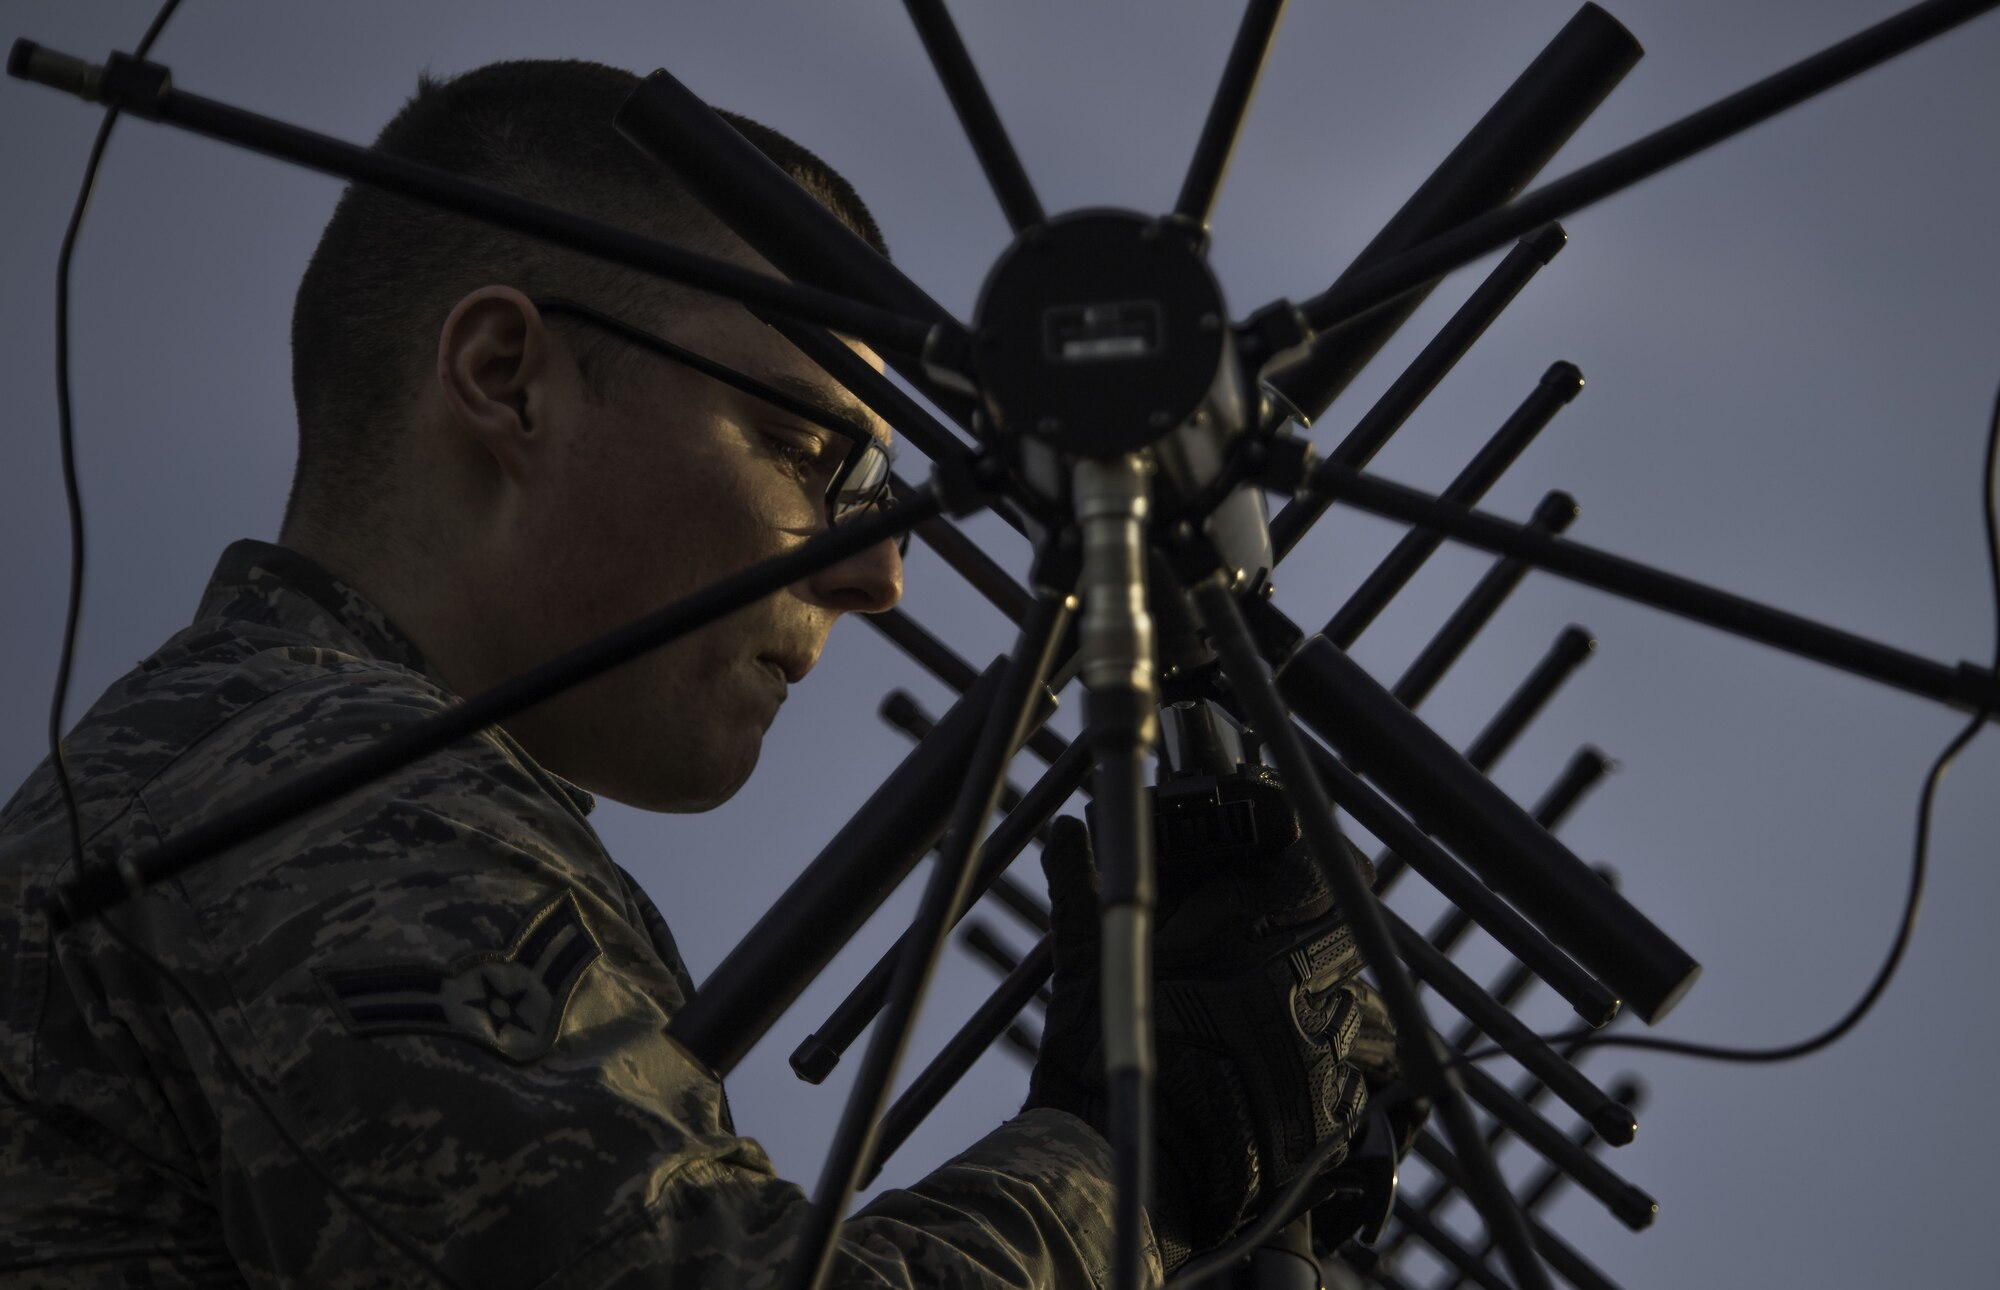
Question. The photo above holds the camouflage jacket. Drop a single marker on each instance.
(442, 987)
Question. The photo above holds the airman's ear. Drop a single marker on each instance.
(494, 359)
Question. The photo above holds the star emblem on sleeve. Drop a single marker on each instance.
(511, 999)
(502, 1009)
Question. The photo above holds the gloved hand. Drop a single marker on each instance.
(1366, 1182)
(1254, 1020)
(1375, 1055)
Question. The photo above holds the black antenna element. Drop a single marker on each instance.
(1554, 514)
(1423, 374)
(144, 89)
(1523, 129)
(828, 902)
(1571, 651)
(816, 1057)
(1516, 856)
(975, 112)
(1363, 290)
(1227, 110)
(1967, 686)
(782, 222)
(1014, 711)
(1560, 384)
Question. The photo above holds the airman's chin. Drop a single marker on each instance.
(691, 785)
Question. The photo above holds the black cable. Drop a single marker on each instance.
(1278, 1214)
(66, 439)
(1919, 861)
(153, 30)
(66, 658)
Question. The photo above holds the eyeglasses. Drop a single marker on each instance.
(860, 482)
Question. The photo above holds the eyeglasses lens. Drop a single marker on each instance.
(863, 484)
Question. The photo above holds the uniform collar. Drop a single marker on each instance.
(274, 586)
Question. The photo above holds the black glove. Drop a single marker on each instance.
(1254, 1020)
(1365, 1184)
(1375, 1055)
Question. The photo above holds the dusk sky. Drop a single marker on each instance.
(1791, 345)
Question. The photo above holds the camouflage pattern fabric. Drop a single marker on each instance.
(443, 987)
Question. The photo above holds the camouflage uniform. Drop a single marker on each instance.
(442, 986)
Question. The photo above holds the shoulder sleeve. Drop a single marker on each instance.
(439, 990)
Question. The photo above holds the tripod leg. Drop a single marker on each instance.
(854, 1138)
(1121, 718)
(1215, 605)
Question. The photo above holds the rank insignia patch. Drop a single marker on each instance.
(510, 1000)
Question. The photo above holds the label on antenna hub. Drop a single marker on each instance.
(1102, 332)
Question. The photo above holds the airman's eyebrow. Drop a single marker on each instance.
(826, 398)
